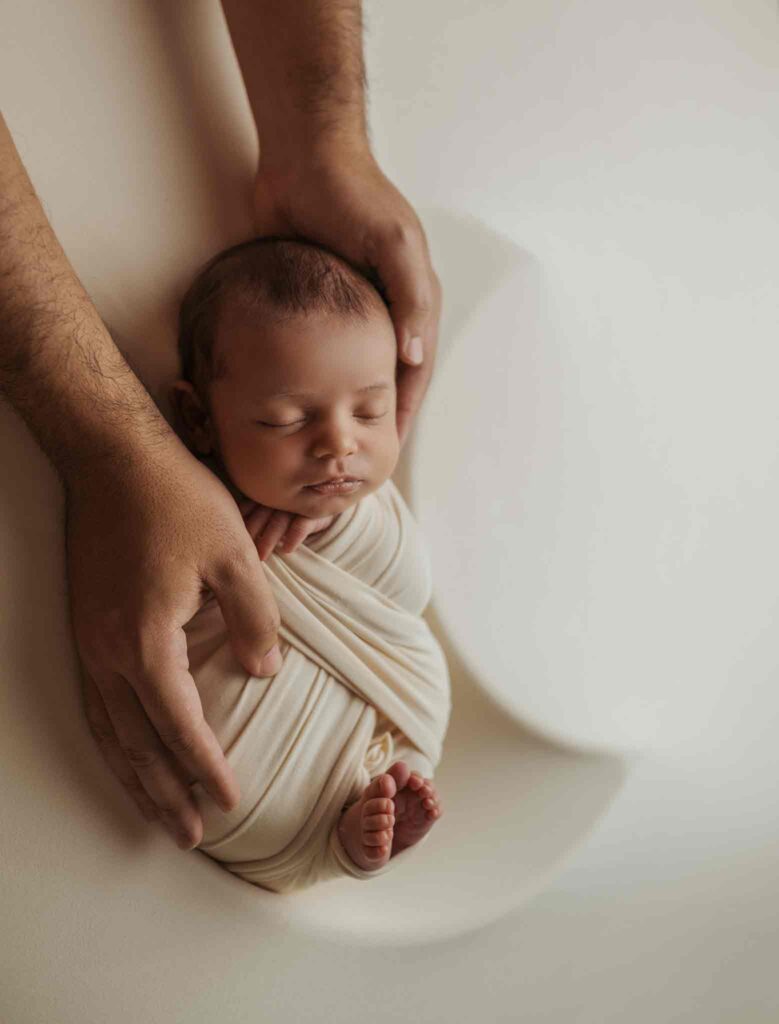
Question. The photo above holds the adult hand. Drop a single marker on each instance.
(272, 528)
(144, 538)
(340, 198)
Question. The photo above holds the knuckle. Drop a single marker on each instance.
(400, 233)
(179, 741)
(270, 625)
(167, 810)
(138, 757)
(230, 570)
(268, 621)
(98, 726)
(179, 737)
(299, 530)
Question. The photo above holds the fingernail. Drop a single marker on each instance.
(272, 662)
(413, 349)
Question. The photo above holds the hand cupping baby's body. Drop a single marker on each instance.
(363, 684)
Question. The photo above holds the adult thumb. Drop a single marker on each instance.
(251, 615)
(405, 269)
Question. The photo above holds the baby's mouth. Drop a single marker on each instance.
(336, 485)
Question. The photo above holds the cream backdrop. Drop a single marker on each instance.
(595, 467)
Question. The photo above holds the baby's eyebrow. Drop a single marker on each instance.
(378, 386)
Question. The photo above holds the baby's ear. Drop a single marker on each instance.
(190, 419)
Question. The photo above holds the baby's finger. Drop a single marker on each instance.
(299, 529)
(255, 521)
(274, 530)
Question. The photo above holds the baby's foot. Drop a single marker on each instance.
(366, 828)
(417, 809)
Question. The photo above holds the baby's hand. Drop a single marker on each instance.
(272, 528)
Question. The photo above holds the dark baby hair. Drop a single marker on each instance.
(271, 278)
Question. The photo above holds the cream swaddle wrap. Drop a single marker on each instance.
(364, 683)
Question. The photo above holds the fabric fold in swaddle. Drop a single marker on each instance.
(364, 683)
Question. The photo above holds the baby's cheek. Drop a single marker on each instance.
(390, 451)
(251, 466)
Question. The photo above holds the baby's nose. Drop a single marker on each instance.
(336, 444)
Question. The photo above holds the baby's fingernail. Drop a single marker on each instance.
(413, 349)
(272, 662)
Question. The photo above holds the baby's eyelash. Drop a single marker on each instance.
(295, 422)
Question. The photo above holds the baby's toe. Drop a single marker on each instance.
(375, 822)
(377, 805)
(381, 838)
(429, 797)
(400, 772)
(383, 786)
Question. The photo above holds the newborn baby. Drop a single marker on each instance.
(288, 393)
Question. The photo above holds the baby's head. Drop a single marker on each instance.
(288, 359)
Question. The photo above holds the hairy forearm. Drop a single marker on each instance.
(58, 364)
(302, 64)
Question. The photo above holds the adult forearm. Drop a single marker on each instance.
(58, 364)
(302, 64)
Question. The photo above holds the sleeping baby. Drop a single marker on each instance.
(287, 393)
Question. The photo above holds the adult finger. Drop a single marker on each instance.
(404, 267)
(412, 382)
(158, 719)
(104, 735)
(249, 610)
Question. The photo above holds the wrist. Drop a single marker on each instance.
(309, 151)
(103, 452)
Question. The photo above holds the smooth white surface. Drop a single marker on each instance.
(581, 148)
(603, 434)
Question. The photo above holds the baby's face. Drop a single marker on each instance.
(305, 401)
